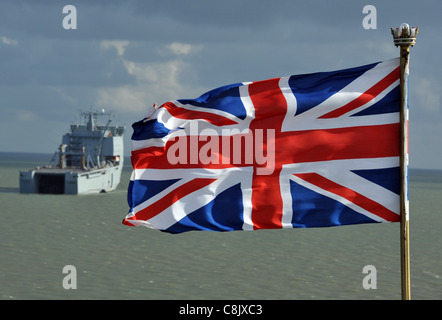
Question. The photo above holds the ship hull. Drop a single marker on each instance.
(88, 160)
(70, 181)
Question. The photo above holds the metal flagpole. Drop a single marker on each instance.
(404, 36)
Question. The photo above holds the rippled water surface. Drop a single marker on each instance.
(40, 234)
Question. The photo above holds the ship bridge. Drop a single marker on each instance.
(92, 145)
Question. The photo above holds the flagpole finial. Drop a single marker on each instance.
(404, 35)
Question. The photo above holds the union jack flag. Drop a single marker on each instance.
(331, 142)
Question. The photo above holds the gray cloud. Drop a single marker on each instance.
(125, 55)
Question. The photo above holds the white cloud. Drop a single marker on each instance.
(180, 48)
(120, 45)
(127, 98)
(8, 41)
(155, 81)
(27, 116)
(63, 94)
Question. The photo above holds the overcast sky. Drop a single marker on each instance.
(126, 55)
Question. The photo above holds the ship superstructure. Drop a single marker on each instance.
(89, 160)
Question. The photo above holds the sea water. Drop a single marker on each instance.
(41, 234)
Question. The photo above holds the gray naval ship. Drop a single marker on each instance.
(89, 160)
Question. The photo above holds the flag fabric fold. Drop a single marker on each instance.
(313, 150)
